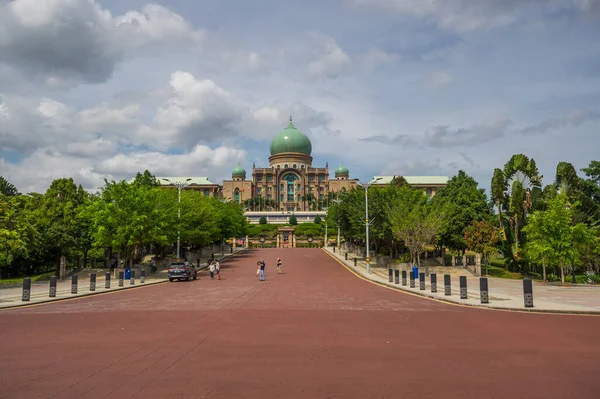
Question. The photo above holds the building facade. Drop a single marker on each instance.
(291, 183)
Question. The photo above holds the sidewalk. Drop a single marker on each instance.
(12, 296)
(503, 293)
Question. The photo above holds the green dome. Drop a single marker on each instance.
(290, 140)
(238, 171)
(341, 170)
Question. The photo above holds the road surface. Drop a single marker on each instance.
(315, 331)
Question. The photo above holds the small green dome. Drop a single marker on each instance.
(291, 140)
(238, 171)
(341, 170)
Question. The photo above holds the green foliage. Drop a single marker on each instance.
(482, 237)
(293, 220)
(461, 202)
(414, 221)
(256, 230)
(312, 229)
(7, 188)
(263, 220)
(318, 219)
(552, 238)
(146, 179)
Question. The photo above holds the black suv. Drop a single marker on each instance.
(180, 271)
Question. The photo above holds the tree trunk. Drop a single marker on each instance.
(544, 272)
(562, 273)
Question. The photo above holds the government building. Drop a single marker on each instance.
(291, 184)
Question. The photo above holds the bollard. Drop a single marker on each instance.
(463, 287)
(107, 280)
(132, 280)
(355, 259)
(421, 281)
(26, 289)
(333, 249)
(346, 255)
(412, 280)
(74, 279)
(93, 282)
(390, 275)
(52, 287)
(143, 276)
(528, 292)
(447, 285)
(121, 278)
(404, 278)
(397, 276)
(483, 290)
(433, 282)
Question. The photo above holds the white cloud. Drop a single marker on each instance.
(465, 16)
(331, 60)
(65, 42)
(440, 78)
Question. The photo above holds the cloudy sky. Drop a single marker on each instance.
(107, 88)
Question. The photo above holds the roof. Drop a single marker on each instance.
(415, 180)
(198, 181)
(291, 140)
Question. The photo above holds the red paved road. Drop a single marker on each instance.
(316, 331)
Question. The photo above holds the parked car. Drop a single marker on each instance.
(179, 271)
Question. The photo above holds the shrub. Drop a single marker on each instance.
(293, 220)
(317, 219)
(263, 220)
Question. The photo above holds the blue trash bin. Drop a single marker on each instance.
(127, 273)
(415, 270)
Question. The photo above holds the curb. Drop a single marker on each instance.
(47, 301)
(449, 302)
(89, 293)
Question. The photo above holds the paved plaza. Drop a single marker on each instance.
(314, 331)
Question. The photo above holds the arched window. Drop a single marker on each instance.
(290, 178)
(294, 166)
(236, 196)
(285, 166)
(302, 167)
(428, 193)
(277, 166)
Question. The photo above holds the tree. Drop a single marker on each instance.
(497, 192)
(293, 220)
(7, 188)
(146, 179)
(482, 237)
(552, 239)
(414, 221)
(317, 219)
(263, 220)
(462, 202)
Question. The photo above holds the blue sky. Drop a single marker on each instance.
(106, 88)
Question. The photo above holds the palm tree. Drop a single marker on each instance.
(7, 188)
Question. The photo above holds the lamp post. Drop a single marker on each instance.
(366, 186)
(180, 186)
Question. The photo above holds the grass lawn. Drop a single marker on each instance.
(18, 280)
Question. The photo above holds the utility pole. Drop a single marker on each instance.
(366, 186)
(180, 186)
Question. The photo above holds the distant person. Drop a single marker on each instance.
(279, 266)
(261, 269)
(218, 270)
(211, 270)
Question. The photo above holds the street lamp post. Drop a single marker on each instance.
(366, 186)
(180, 186)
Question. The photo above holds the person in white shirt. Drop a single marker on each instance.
(211, 269)
(218, 270)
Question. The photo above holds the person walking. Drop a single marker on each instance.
(211, 270)
(218, 270)
(261, 269)
(279, 266)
